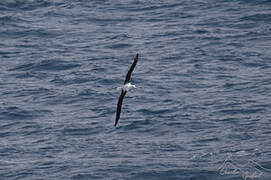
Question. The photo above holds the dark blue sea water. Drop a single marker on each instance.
(202, 109)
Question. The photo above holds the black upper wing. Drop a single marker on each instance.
(119, 106)
(129, 74)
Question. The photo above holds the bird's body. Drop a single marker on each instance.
(128, 87)
(125, 88)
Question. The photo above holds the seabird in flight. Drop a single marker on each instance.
(126, 87)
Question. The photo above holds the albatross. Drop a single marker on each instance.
(126, 87)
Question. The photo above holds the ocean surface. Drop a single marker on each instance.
(201, 110)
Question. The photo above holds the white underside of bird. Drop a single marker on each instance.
(127, 87)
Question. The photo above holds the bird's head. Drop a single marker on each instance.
(133, 87)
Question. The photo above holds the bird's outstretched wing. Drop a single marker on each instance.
(129, 74)
(119, 106)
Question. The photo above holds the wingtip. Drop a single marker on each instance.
(136, 58)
